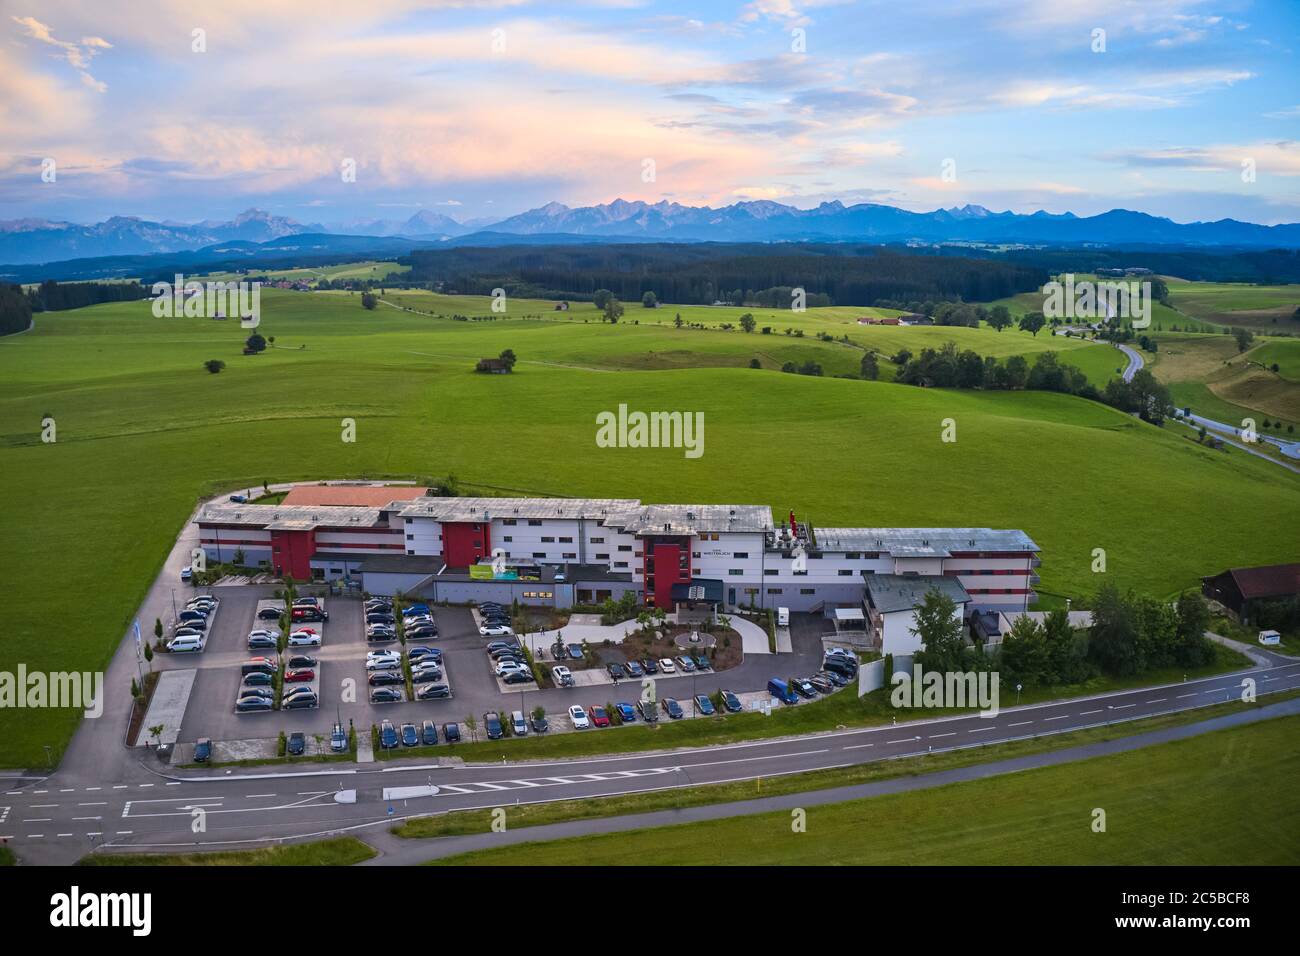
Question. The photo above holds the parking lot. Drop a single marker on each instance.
(343, 691)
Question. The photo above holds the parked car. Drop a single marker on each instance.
(258, 642)
(508, 667)
(702, 663)
(187, 632)
(246, 705)
(269, 614)
(309, 614)
(185, 642)
(375, 617)
(416, 620)
(266, 692)
(518, 725)
(338, 739)
(419, 650)
(803, 687)
(781, 691)
(432, 692)
(299, 702)
(822, 685)
(492, 725)
(197, 623)
(421, 633)
(518, 677)
(648, 710)
(259, 679)
(385, 678)
(616, 671)
(239, 499)
(840, 665)
(299, 675)
(704, 706)
(386, 695)
(202, 750)
(193, 614)
(539, 723)
(575, 652)
(598, 716)
(451, 733)
(297, 744)
(562, 676)
(731, 702)
(649, 666)
(266, 664)
(667, 666)
(491, 646)
(837, 679)
(187, 573)
(428, 733)
(626, 711)
(578, 717)
(410, 736)
(306, 601)
(633, 669)
(304, 639)
(387, 735)
(496, 630)
(672, 708)
(384, 664)
(685, 662)
(302, 660)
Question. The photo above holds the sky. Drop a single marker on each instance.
(184, 110)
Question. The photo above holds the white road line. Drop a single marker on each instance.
(35, 836)
(1122, 706)
(952, 733)
(175, 784)
(254, 796)
(78, 819)
(38, 820)
(1020, 723)
(43, 806)
(68, 790)
(859, 746)
(903, 740)
(125, 832)
(89, 789)
(1158, 700)
(101, 803)
(1181, 696)
(980, 730)
(1085, 713)
(120, 786)
(1058, 717)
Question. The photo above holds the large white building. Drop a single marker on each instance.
(562, 551)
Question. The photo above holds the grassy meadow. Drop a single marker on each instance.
(1174, 804)
(143, 431)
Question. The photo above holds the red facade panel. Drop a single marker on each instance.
(465, 542)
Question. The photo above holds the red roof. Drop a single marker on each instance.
(361, 496)
(1273, 580)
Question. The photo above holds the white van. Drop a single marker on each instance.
(186, 642)
(1270, 638)
(783, 617)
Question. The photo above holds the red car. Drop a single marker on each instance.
(299, 676)
(598, 716)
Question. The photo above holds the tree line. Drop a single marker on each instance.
(738, 274)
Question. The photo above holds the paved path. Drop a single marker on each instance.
(1135, 360)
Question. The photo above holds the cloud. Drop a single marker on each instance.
(77, 55)
(1280, 158)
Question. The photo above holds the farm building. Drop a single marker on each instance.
(1240, 589)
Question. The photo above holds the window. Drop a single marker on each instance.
(534, 522)
(852, 555)
(803, 573)
(741, 555)
(770, 571)
(508, 537)
(602, 557)
(570, 555)
(620, 564)
(735, 572)
(625, 547)
(597, 540)
(845, 572)
(539, 554)
(510, 521)
(775, 590)
(410, 537)
(546, 540)
(751, 590)
(807, 590)
(695, 555)
(408, 551)
(566, 541)
(538, 594)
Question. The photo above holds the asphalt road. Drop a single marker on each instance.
(1135, 361)
(144, 805)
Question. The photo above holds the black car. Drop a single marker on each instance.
(518, 677)
(433, 692)
(301, 660)
(266, 692)
(385, 678)
(451, 733)
(540, 724)
(492, 725)
(380, 618)
(420, 633)
(730, 701)
(839, 664)
(262, 642)
(803, 688)
(299, 702)
(839, 680)
(410, 736)
(428, 733)
(202, 750)
(297, 745)
(649, 712)
(649, 666)
(259, 679)
(673, 709)
(423, 653)
(269, 614)
(247, 705)
(387, 735)
(385, 695)
(616, 671)
(822, 685)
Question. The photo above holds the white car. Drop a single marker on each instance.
(579, 718)
(496, 630)
(261, 633)
(417, 620)
(383, 656)
(304, 639)
(561, 675)
(383, 663)
(510, 667)
(667, 666)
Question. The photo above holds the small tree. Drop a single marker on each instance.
(148, 656)
(157, 628)
(1244, 338)
(472, 726)
(1032, 322)
(369, 300)
(999, 318)
(649, 301)
(214, 365)
(613, 310)
(870, 367)
(156, 733)
(747, 322)
(508, 356)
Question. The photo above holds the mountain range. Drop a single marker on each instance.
(27, 241)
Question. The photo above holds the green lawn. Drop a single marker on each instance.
(143, 430)
(1224, 798)
(1261, 307)
(339, 851)
(540, 814)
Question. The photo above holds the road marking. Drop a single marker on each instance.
(1020, 723)
(68, 790)
(62, 834)
(125, 832)
(903, 740)
(35, 836)
(101, 803)
(937, 736)
(859, 746)
(255, 796)
(77, 819)
(175, 784)
(143, 785)
(1216, 690)
(1158, 700)
(120, 786)
(89, 789)
(39, 820)
(980, 730)
(43, 806)
(1122, 706)
(1058, 717)
(1181, 696)
(1085, 713)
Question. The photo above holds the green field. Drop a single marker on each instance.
(1223, 798)
(1211, 376)
(371, 269)
(143, 431)
(1264, 308)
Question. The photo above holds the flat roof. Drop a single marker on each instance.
(902, 592)
(922, 542)
(289, 517)
(626, 513)
(364, 496)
